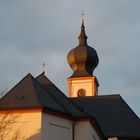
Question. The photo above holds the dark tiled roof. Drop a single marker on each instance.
(113, 115)
(23, 95)
(38, 93)
(67, 104)
(27, 94)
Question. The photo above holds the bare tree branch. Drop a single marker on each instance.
(8, 122)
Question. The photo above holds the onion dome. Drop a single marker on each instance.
(83, 59)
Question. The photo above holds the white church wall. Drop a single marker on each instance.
(113, 138)
(22, 124)
(76, 84)
(55, 128)
(88, 84)
(35, 125)
(93, 134)
(85, 131)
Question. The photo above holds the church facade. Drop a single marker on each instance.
(35, 109)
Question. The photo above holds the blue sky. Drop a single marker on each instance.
(37, 31)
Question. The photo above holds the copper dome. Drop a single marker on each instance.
(83, 59)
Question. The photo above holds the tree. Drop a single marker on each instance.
(8, 122)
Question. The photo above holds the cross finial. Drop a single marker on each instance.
(83, 14)
(43, 66)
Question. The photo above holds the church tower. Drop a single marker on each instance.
(83, 59)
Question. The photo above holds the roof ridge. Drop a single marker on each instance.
(39, 75)
(68, 99)
(123, 101)
(29, 74)
(99, 96)
(109, 95)
(49, 92)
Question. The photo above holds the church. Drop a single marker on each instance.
(35, 109)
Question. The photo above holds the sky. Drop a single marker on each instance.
(37, 31)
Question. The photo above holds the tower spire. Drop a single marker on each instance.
(83, 59)
(82, 37)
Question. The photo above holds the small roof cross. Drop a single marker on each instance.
(43, 66)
